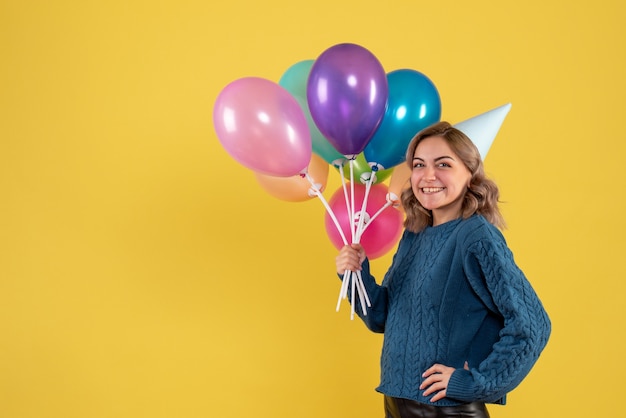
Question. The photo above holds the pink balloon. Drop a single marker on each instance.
(383, 232)
(262, 126)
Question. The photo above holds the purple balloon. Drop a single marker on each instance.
(347, 95)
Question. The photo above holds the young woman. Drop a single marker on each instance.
(462, 324)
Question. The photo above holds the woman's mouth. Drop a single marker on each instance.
(428, 190)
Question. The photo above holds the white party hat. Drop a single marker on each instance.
(482, 129)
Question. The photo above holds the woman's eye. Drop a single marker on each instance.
(418, 165)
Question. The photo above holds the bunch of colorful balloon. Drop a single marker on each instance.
(342, 110)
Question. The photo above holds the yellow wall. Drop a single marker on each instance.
(143, 272)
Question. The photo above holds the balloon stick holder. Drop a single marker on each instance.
(352, 284)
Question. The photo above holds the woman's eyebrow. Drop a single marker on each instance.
(443, 157)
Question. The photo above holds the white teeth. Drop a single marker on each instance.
(432, 189)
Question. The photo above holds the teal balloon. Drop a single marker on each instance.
(294, 80)
(413, 104)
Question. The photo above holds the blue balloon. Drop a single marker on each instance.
(413, 104)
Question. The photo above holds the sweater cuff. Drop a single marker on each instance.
(459, 386)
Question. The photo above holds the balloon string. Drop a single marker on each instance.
(356, 281)
(385, 206)
(345, 193)
(353, 301)
(343, 292)
(368, 187)
(356, 276)
(351, 211)
(319, 194)
(352, 281)
(362, 286)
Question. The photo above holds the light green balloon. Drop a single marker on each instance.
(362, 170)
(294, 80)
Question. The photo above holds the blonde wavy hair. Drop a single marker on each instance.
(482, 195)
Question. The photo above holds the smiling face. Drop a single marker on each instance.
(439, 179)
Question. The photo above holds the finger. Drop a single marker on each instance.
(348, 252)
(430, 381)
(436, 381)
(436, 368)
(360, 251)
(439, 395)
(435, 387)
(347, 261)
(351, 256)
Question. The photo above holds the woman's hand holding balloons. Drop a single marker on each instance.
(350, 258)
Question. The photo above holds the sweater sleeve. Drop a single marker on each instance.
(376, 314)
(503, 287)
(379, 294)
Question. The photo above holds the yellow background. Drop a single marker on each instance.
(143, 272)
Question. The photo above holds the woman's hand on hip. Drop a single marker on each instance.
(436, 381)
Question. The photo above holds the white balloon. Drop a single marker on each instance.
(482, 129)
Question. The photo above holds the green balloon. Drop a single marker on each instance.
(362, 170)
(294, 80)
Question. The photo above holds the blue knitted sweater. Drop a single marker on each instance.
(454, 294)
